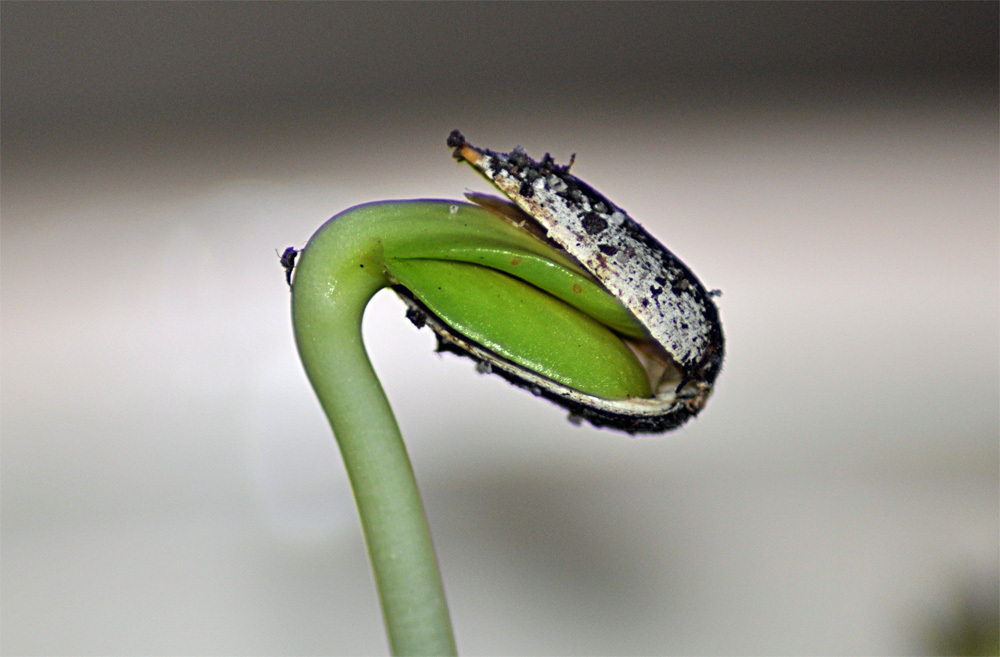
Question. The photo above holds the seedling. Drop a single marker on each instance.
(554, 288)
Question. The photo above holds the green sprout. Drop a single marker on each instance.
(497, 282)
(493, 286)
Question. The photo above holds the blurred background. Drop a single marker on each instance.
(169, 483)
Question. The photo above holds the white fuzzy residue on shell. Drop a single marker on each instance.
(657, 292)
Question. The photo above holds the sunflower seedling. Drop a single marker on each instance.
(553, 288)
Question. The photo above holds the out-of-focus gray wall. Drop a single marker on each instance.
(92, 72)
(169, 484)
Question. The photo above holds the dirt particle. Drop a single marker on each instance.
(593, 223)
(287, 260)
(418, 318)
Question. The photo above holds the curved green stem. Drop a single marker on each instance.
(337, 275)
(497, 283)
